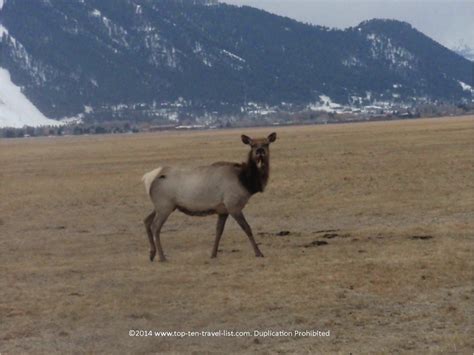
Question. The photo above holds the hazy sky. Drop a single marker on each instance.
(449, 22)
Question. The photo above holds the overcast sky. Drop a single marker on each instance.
(449, 22)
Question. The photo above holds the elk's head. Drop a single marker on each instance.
(260, 148)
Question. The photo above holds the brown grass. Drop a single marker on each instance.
(75, 275)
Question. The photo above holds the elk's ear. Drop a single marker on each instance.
(246, 139)
(272, 137)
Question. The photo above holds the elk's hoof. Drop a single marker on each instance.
(152, 255)
(259, 255)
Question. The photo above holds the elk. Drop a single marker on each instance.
(222, 188)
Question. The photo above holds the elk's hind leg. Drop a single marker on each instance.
(160, 219)
(148, 221)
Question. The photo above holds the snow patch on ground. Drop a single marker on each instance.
(16, 111)
(96, 13)
(325, 104)
(73, 120)
(465, 86)
(79, 118)
(3, 30)
(233, 56)
(351, 62)
(173, 116)
(382, 47)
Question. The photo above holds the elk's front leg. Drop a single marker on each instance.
(239, 217)
(219, 230)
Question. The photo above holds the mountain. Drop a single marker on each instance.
(15, 109)
(465, 51)
(146, 59)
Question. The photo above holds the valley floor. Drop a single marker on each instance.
(379, 249)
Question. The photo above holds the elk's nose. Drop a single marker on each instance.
(260, 151)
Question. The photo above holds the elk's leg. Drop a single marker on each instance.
(160, 219)
(219, 230)
(239, 217)
(148, 221)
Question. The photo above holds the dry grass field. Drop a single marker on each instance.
(380, 249)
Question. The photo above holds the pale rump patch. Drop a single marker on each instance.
(149, 177)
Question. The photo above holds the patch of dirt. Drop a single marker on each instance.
(76, 294)
(283, 233)
(334, 235)
(144, 315)
(55, 227)
(330, 235)
(316, 243)
(327, 231)
(422, 237)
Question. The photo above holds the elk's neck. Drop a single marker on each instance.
(254, 176)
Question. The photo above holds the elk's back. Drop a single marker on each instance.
(206, 188)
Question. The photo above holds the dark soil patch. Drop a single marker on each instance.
(330, 235)
(422, 237)
(278, 234)
(327, 231)
(316, 243)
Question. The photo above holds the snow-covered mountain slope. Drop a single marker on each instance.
(16, 110)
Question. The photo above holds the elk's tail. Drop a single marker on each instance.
(149, 177)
